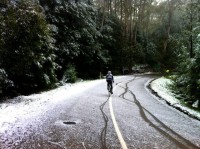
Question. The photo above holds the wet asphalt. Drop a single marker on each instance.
(83, 121)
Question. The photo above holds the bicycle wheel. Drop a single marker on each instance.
(109, 88)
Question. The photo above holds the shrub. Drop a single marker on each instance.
(26, 47)
(5, 83)
(70, 74)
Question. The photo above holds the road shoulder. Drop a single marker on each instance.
(158, 87)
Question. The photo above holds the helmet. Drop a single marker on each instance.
(109, 72)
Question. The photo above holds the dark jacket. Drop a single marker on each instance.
(109, 77)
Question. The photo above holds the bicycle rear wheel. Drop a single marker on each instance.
(110, 88)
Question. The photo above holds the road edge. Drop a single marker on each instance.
(177, 106)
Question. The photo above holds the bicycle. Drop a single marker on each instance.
(110, 88)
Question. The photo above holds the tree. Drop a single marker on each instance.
(26, 47)
(187, 81)
(77, 37)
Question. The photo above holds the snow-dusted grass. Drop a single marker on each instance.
(160, 86)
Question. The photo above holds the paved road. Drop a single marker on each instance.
(89, 120)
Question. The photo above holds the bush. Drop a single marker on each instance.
(188, 79)
(26, 47)
(5, 83)
(70, 74)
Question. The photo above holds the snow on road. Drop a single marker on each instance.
(160, 86)
(23, 106)
(30, 106)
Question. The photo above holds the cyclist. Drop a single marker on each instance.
(110, 81)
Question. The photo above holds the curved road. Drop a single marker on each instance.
(131, 118)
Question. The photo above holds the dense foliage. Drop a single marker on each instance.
(77, 37)
(44, 43)
(26, 47)
(187, 80)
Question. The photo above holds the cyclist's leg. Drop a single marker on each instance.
(109, 85)
(111, 88)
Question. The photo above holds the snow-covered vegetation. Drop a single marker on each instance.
(161, 87)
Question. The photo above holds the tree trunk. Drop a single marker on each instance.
(115, 7)
(104, 13)
(110, 6)
(121, 11)
(191, 30)
(170, 12)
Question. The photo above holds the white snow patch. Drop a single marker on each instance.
(29, 106)
(23, 105)
(160, 86)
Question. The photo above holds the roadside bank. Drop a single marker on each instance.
(159, 88)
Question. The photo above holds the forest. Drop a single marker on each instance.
(46, 43)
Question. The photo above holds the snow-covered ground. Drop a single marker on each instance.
(24, 105)
(33, 105)
(160, 87)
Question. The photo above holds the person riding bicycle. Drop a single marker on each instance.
(110, 81)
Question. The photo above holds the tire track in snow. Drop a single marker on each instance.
(104, 130)
(180, 141)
